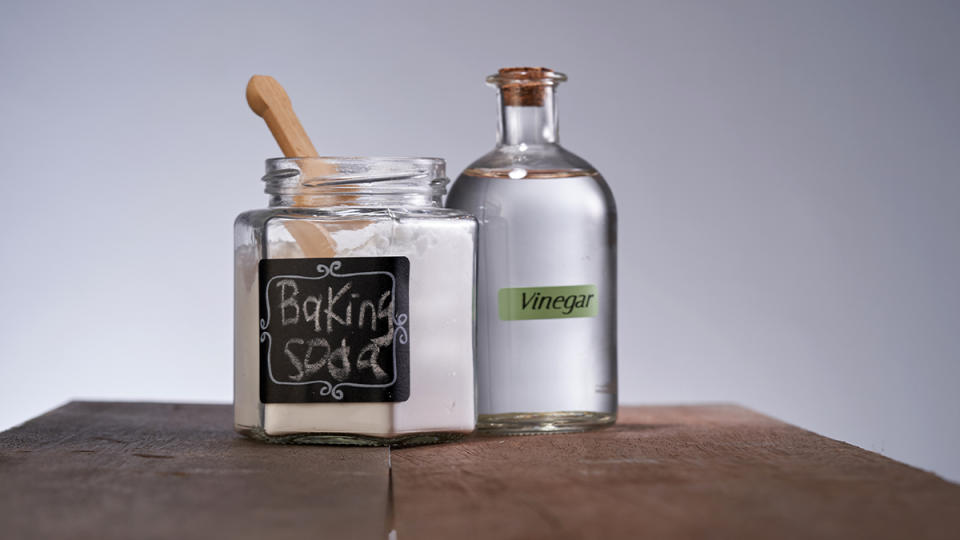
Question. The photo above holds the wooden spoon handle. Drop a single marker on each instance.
(270, 101)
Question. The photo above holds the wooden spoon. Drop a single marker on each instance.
(270, 101)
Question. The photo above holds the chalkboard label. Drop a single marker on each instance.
(334, 330)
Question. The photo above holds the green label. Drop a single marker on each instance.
(525, 303)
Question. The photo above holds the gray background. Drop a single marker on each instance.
(786, 176)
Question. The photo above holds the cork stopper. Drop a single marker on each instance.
(525, 86)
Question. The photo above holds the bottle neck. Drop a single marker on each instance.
(534, 124)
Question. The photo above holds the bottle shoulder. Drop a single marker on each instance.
(537, 160)
(532, 163)
(571, 188)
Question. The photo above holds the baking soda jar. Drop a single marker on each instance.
(353, 305)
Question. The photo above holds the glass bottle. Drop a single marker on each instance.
(546, 290)
(353, 307)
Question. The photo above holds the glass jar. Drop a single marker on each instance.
(353, 305)
(546, 282)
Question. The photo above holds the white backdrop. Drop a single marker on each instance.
(786, 175)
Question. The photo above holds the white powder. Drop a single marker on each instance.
(441, 254)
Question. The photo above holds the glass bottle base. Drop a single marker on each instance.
(353, 439)
(548, 422)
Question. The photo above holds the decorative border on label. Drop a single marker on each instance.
(328, 389)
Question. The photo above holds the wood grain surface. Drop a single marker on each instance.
(138, 470)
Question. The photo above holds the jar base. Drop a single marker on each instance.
(353, 439)
(546, 422)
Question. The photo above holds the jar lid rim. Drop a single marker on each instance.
(402, 160)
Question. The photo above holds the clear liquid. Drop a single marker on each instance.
(548, 228)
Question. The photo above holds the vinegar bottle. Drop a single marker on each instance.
(546, 282)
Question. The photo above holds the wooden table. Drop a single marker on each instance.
(152, 470)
